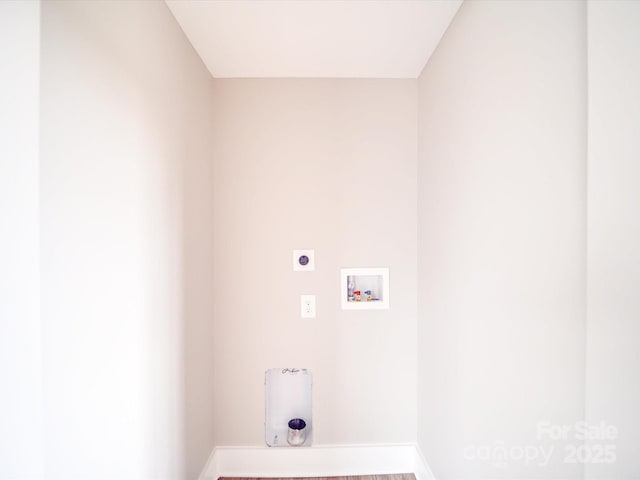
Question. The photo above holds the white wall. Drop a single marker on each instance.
(126, 243)
(501, 238)
(613, 255)
(21, 428)
(328, 165)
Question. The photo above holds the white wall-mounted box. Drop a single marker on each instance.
(364, 280)
(288, 396)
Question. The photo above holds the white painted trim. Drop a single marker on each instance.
(210, 466)
(422, 470)
(316, 461)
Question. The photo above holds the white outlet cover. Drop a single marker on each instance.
(304, 261)
(307, 306)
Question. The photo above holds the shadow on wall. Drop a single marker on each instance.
(197, 284)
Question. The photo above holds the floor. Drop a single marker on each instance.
(396, 476)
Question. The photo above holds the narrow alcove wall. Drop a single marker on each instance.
(126, 243)
(502, 239)
(327, 164)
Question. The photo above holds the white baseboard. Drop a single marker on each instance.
(316, 461)
(422, 470)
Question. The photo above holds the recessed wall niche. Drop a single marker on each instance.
(364, 288)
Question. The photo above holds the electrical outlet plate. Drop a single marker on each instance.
(307, 306)
(304, 261)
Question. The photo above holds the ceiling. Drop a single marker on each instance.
(314, 38)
